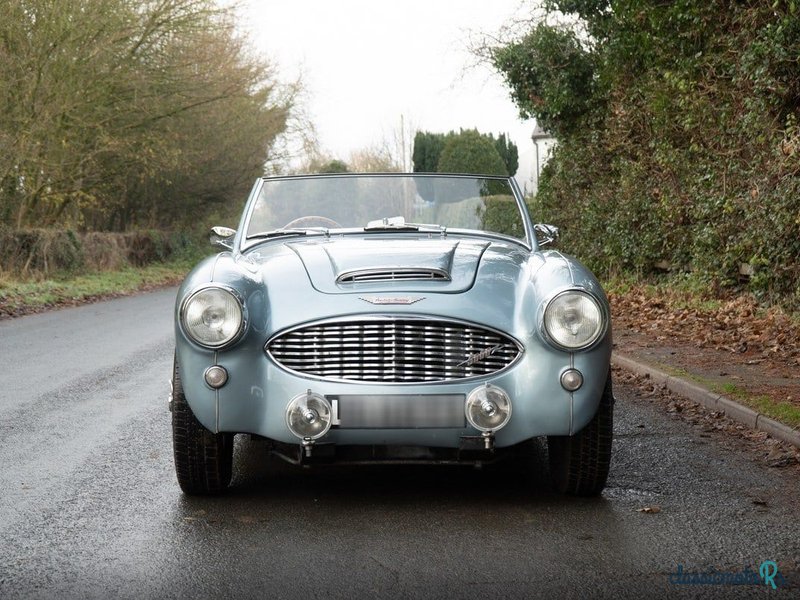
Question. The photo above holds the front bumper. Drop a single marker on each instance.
(255, 398)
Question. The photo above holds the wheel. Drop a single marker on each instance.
(579, 463)
(313, 221)
(203, 460)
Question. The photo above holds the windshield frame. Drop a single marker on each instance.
(243, 243)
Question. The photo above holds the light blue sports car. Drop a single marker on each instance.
(391, 318)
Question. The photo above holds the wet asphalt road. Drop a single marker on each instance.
(89, 506)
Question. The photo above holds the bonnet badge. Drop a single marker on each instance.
(391, 299)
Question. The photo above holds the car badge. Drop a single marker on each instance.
(479, 356)
(391, 299)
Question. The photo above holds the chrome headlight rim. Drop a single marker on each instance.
(599, 334)
(505, 406)
(243, 321)
(303, 401)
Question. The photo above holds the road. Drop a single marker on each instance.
(89, 506)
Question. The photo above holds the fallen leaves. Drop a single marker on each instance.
(737, 333)
(650, 510)
(737, 325)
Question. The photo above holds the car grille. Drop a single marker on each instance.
(393, 350)
(379, 275)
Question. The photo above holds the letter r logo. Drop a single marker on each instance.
(768, 570)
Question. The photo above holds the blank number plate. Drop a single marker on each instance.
(399, 411)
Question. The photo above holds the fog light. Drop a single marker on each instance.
(216, 376)
(308, 416)
(488, 408)
(571, 380)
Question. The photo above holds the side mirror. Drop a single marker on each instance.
(546, 234)
(222, 236)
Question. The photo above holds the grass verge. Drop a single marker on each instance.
(25, 297)
(779, 410)
(783, 412)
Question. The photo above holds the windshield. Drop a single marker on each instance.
(298, 205)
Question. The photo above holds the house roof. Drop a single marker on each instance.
(539, 134)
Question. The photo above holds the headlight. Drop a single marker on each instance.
(212, 317)
(574, 320)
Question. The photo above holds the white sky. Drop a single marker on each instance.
(364, 63)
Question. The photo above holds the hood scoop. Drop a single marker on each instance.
(397, 274)
(381, 264)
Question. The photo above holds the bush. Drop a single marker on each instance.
(40, 251)
(471, 152)
(685, 151)
(46, 252)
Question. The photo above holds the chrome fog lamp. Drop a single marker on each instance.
(571, 380)
(309, 416)
(216, 376)
(574, 320)
(213, 317)
(488, 408)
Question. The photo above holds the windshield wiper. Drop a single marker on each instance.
(399, 224)
(290, 231)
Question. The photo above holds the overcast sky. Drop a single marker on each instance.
(364, 63)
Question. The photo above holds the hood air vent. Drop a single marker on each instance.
(380, 275)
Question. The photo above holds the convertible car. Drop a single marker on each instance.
(394, 318)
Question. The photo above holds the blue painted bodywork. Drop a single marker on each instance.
(496, 282)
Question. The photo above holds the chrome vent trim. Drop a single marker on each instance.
(393, 350)
(399, 274)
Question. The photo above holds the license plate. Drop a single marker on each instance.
(406, 411)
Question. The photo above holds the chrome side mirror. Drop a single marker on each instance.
(546, 234)
(222, 236)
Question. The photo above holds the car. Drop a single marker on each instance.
(391, 318)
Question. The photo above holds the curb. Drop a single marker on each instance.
(712, 400)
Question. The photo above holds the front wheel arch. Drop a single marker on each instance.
(579, 464)
(203, 460)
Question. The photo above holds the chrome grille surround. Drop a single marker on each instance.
(393, 349)
(397, 274)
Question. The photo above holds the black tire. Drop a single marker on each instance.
(579, 463)
(203, 460)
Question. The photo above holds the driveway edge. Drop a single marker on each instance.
(712, 400)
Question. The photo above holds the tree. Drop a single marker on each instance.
(376, 159)
(333, 166)
(550, 75)
(508, 152)
(122, 113)
(428, 149)
(471, 152)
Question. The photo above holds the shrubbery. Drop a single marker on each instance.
(47, 252)
(678, 130)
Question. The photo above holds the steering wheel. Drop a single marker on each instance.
(313, 221)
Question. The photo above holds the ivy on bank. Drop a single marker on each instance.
(678, 129)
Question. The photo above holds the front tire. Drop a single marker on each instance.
(203, 460)
(579, 463)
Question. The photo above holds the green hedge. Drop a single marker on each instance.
(45, 252)
(683, 151)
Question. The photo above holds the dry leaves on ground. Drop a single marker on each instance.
(737, 325)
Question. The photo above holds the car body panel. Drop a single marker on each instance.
(326, 261)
